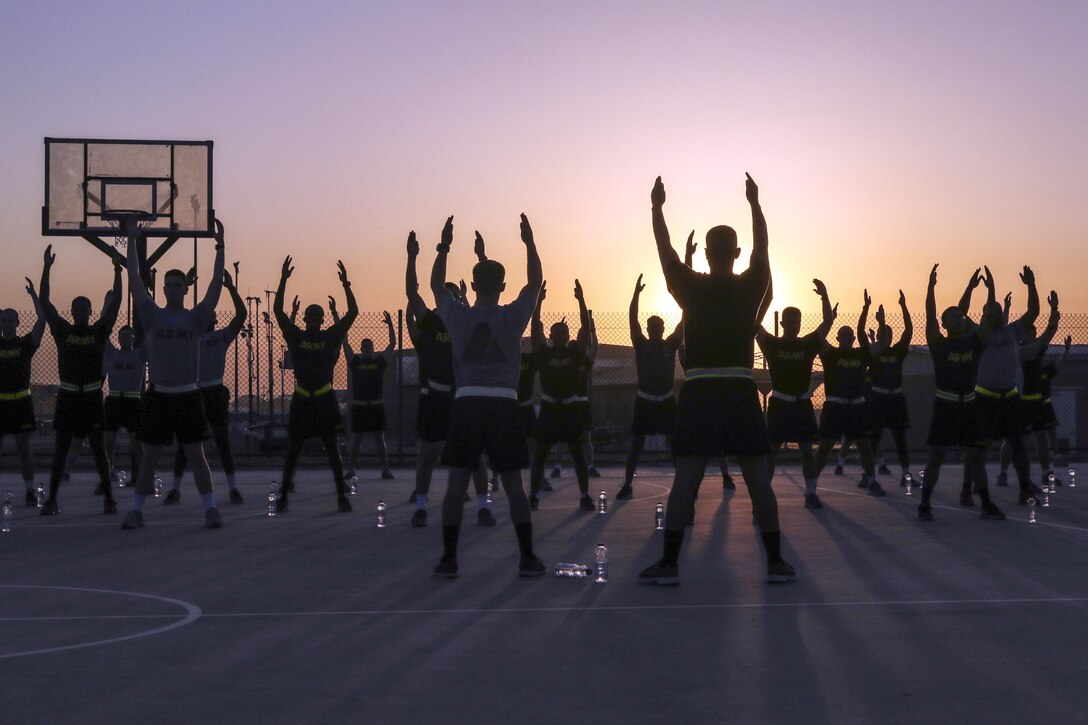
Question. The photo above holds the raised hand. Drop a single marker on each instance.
(526, 231)
(657, 195)
(332, 304)
(872, 335)
(638, 285)
(190, 276)
(1053, 300)
(413, 244)
(478, 246)
(1027, 276)
(387, 318)
(975, 279)
(880, 314)
(1008, 300)
(819, 288)
(295, 304)
(902, 299)
(543, 291)
(751, 191)
(220, 233)
(835, 311)
(287, 269)
(989, 279)
(49, 256)
(228, 282)
(342, 274)
(690, 247)
(447, 232)
(578, 295)
(866, 298)
(30, 288)
(933, 275)
(1068, 341)
(462, 289)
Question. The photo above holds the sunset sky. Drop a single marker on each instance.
(884, 137)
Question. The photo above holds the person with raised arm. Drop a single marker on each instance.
(80, 349)
(718, 412)
(887, 403)
(484, 419)
(367, 372)
(173, 405)
(1038, 413)
(16, 405)
(126, 372)
(314, 412)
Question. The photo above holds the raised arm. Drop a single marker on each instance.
(411, 326)
(933, 325)
(48, 309)
(416, 306)
(665, 253)
(591, 345)
(965, 299)
(277, 302)
(1051, 323)
(353, 306)
(39, 322)
(479, 248)
(864, 317)
(392, 332)
(908, 324)
(211, 297)
(348, 352)
(989, 321)
(829, 312)
(765, 304)
(108, 318)
(239, 319)
(760, 257)
(584, 330)
(1028, 278)
(438, 270)
(537, 327)
(534, 271)
(632, 313)
(689, 249)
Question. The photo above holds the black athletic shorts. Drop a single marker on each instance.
(169, 415)
(889, 411)
(585, 408)
(486, 425)
(654, 417)
(527, 416)
(1000, 418)
(217, 405)
(791, 422)
(78, 413)
(433, 416)
(368, 418)
(121, 412)
(955, 425)
(314, 415)
(720, 417)
(559, 424)
(1038, 415)
(17, 416)
(845, 419)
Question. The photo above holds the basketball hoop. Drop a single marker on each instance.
(123, 219)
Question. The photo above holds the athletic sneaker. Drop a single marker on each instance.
(925, 512)
(31, 498)
(133, 520)
(212, 519)
(343, 505)
(50, 508)
(883, 470)
(812, 501)
(593, 472)
(484, 517)
(534, 501)
(662, 573)
(447, 568)
(1002, 479)
(876, 490)
(838, 470)
(236, 496)
(173, 497)
(991, 511)
(100, 490)
(625, 493)
(419, 518)
(586, 504)
(545, 486)
(531, 566)
(863, 482)
(966, 499)
(109, 506)
(780, 572)
(557, 472)
(387, 474)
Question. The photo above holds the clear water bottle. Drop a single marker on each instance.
(922, 477)
(602, 503)
(273, 494)
(381, 514)
(910, 483)
(158, 487)
(490, 492)
(353, 485)
(1050, 482)
(1072, 478)
(39, 493)
(600, 565)
(580, 571)
(1046, 499)
(122, 478)
(659, 517)
(9, 512)
(1031, 510)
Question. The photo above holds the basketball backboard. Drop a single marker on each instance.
(91, 185)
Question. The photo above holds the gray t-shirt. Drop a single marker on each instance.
(999, 367)
(213, 353)
(125, 369)
(487, 340)
(173, 343)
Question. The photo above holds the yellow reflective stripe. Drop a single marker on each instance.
(729, 372)
(313, 393)
(1032, 396)
(955, 397)
(1000, 395)
(73, 388)
(15, 396)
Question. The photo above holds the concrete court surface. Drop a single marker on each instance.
(317, 616)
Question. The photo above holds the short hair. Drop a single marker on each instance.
(122, 328)
(654, 319)
(488, 276)
(313, 310)
(81, 300)
(558, 325)
(366, 341)
(176, 273)
(721, 241)
(791, 312)
(452, 287)
(948, 310)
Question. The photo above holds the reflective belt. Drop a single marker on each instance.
(789, 398)
(432, 385)
(15, 396)
(887, 391)
(481, 391)
(705, 373)
(999, 395)
(211, 383)
(366, 402)
(845, 401)
(86, 388)
(1032, 396)
(955, 397)
(326, 388)
(124, 394)
(559, 401)
(654, 398)
(581, 398)
(526, 403)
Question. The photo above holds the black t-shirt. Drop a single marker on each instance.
(955, 362)
(886, 370)
(15, 357)
(1047, 371)
(1032, 365)
(845, 371)
(526, 377)
(366, 377)
(561, 370)
(790, 361)
(79, 350)
(655, 364)
(719, 314)
(435, 351)
(314, 354)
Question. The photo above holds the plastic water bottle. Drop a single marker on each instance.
(659, 517)
(1046, 499)
(158, 487)
(922, 477)
(1050, 482)
(1072, 478)
(39, 493)
(353, 485)
(580, 571)
(381, 514)
(910, 483)
(273, 494)
(122, 478)
(1031, 510)
(9, 512)
(600, 565)
(602, 503)
(490, 492)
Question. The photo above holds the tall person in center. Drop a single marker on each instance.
(718, 412)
